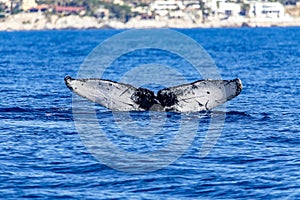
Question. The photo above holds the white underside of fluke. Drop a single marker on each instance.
(197, 96)
(205, 95)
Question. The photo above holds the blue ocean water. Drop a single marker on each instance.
(43, 155)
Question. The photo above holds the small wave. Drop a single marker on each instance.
(230, 113)
(239, 113)
(52, 113)
(19, 109)
(13, 109)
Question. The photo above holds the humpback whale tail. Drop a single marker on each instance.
(197, 96)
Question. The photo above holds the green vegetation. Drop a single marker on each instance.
(122, 12)
(2, 7)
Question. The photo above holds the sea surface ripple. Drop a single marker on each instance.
(255, 157)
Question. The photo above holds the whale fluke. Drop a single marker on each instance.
(197, 96)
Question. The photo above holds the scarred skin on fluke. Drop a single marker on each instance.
(193, 97)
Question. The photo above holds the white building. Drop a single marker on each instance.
(172, 8)
(102, 13)
(28, 4)
(266, 10)
(191, 4)
(212, 5)
(228, 9)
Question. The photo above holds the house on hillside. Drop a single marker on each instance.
(191, 4)
(102, 13)
(266, 10)
(39, 8)
(228, 9)
(66, 10)
(28, 4)
(167, 8)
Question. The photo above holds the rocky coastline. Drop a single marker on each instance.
(40, 21)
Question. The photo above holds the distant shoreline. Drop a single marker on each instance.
(38, 21)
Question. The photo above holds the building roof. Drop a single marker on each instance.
(68, 8)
